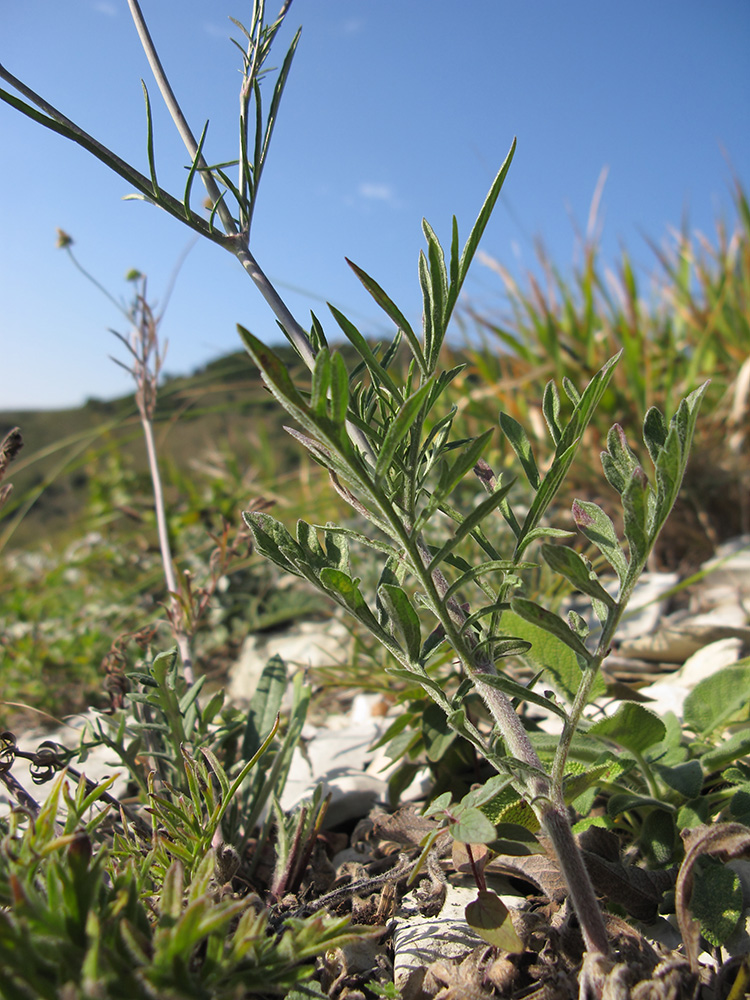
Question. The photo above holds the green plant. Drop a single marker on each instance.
(136, 923)
(155, 900)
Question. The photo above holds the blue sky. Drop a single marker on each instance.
(394, 111)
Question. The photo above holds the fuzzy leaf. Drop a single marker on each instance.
(654, 432)
(618, 461)
(545, 495)
(321, 383)
(686, 778)
(725, 841)
(272, 540)
(470, 247)
(477, 572)
(339, 389)
(265, 706)
(517, 691)
(632, 727)
(715, 699)
(556, 658)
(472, 827)
(635, 506)
(452, 474)
(471, 522)
(717, 900)
(389, 308)
(346, 591)
(551, 411)
(658, 836)
(735, 746)
(436, 732)
(599, 529)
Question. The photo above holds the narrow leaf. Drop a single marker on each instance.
(552, 623)
(522, 447)
(551, 411)
(265, 706)
(339, 389)
(470, 247)
(404, 619)
(399, 428)
(391, 310)
(569, 564)
(521, 693)
(475, 518)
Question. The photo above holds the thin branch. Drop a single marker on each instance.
(178, 117)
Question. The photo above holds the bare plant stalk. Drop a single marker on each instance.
(175, 611)
(143, 346)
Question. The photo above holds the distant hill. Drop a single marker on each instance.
(224, 400)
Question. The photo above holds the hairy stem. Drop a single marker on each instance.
(555, 823)
(545, 800)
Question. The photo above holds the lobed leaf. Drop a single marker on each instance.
(618, 461)
(551, 411)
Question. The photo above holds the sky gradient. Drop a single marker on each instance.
(393, 111)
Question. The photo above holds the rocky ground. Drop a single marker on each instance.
(673, 639)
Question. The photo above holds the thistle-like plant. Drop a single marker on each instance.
(453, 586)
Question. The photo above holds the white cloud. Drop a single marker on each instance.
(376, 192)
(105, 7)
(352, 26)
